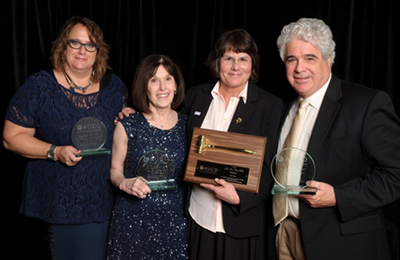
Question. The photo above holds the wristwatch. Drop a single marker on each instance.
(50, 153)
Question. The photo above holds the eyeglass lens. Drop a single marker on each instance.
(90, 47)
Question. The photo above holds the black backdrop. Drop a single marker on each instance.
(366, 33)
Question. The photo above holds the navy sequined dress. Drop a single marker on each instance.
(154, 227)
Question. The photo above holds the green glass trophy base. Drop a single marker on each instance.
(293, 190)
(85, 153)
(162, 185)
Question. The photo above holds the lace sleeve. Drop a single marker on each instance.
(24, 104)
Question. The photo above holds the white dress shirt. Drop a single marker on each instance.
(307, 127)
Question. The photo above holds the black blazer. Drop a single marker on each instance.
(356, 147)
(260, 116)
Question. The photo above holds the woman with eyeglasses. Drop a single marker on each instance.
(69, 192)
(225, 223)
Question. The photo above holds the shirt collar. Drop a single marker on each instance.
(242, 94)
(316, 99)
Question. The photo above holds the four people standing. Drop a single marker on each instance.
(352, 133)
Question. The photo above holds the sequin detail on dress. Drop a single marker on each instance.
(154, 227)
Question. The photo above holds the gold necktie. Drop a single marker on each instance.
(280, 202)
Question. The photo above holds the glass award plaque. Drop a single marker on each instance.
(157, 168)
(291, 168)
(89, 135)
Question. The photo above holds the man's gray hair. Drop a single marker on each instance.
(310, 30)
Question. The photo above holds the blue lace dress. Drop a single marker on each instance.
(154, 227)
(52, 191)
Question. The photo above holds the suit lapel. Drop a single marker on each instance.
(326, 115)
(244, 111)
(201, 106)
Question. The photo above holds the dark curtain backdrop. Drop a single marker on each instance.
(366, 33)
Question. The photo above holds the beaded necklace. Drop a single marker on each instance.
(73, 86)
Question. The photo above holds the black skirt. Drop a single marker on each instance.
(206, 245)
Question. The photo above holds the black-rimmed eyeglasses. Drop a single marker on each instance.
(90, 47)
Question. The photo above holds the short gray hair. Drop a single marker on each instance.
(310, 30)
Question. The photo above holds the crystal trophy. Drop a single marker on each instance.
(157, 168)
(291, 168)
(89, 135)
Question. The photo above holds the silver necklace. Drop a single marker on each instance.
(162, 125)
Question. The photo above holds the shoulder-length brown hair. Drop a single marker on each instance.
(145, 71)
(237, 41)
(95, 35)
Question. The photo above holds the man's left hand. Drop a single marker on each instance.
(324, 198)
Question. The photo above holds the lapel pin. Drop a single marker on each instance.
(197, 113)
(239, 120)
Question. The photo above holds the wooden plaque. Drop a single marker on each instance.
(236, 158)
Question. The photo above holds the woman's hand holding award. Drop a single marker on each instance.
(157, 169)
